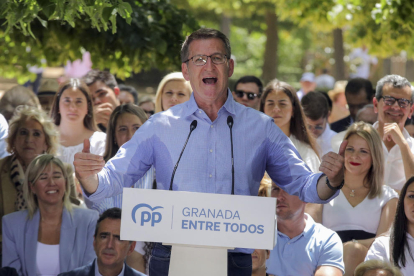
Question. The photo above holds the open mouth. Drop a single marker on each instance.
(210, 80)
(354, 164)
(52, 192)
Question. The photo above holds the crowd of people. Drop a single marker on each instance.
(339, 162)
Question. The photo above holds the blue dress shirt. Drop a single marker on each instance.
(302, 255)
(259, 146)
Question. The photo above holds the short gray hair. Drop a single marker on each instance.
(204, 33)
(396, 81)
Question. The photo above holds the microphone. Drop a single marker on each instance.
(192, 127)
(230, 124)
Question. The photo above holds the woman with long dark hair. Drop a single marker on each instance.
(280, 102)
(72, 113)
(398, 246)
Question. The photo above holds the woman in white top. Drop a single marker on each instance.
(51, 236)
(365, 207)
(280, 102)
(399, 249)
(72, 113)
(172, 90)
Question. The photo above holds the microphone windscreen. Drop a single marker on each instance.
(193, 125)
(230, 121)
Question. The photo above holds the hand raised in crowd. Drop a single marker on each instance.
(87, 165)
(103, 112)
(332, 165)
(392, 132)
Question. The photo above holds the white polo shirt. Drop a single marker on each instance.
(394, 175)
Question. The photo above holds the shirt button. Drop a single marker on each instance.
(211, 126)
(211, 175)
(211, 150)
(199, 111)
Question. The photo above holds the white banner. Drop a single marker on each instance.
(198, 219)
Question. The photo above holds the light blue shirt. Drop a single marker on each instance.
(315, 246)
(259, 146)
(145, 182)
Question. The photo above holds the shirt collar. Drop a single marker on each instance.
(310, 223)
(229, 105)
(99, 274)
(325, 133)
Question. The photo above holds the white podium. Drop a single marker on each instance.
(200, 227)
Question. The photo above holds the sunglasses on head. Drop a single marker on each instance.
(250, 95)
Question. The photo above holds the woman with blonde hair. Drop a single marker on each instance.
(72, 112)
(172, 90)
(31, 132)
(279, 101)
(365, 207)
(51, 236)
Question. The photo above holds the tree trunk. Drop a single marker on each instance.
(272, 39)
(339, 54)
(225, 25)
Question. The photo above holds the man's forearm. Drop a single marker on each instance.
(408, 160)
(324, 192)
(90, 185)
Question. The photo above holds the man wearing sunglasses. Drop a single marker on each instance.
(247, 91)
(394, 104)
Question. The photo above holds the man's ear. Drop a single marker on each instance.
(131, 248)
(411, 111)
(231, 67)
(116, 91)
(185, 71)
(375, 102)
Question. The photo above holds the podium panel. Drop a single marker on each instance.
(200, 219)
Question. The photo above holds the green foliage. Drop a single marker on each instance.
(385, 26)
(147, 34)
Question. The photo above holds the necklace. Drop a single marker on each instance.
(352, 193)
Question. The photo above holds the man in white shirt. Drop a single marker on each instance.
(394, 104)
(316, 109)
(363, 61)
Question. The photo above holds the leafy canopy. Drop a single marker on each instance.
(122, 36)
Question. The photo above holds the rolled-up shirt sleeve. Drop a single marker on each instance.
(130, 163)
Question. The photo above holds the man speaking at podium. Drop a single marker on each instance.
(199, 134)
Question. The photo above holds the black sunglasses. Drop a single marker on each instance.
(250, 95)
(150, 112)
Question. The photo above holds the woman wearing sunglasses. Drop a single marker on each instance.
(280, 102)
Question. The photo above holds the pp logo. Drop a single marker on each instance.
(146, 216)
